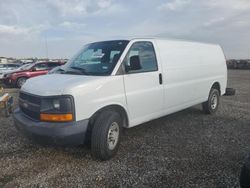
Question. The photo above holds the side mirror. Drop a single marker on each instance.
(135, 63)
(33, 69)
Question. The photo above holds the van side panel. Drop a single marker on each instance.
(189, 71)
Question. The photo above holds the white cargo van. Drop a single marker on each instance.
(118, 84)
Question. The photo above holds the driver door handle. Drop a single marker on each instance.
(160, 79)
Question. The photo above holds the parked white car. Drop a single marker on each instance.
(119, 84)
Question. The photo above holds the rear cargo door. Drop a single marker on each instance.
(143, 83)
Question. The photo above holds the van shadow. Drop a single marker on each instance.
(194, 111)
(84, 151)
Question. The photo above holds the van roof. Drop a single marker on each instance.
(158, 38)
(169, 39)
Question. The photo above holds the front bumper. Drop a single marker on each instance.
(70, 133)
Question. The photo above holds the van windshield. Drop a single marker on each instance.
(97, 59)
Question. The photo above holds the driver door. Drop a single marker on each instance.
(143, 83)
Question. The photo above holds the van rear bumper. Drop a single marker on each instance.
(70, 133)
(230, 92)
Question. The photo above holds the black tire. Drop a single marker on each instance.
(100, 148)
(10, 110)
(20, 82)
(245, 175)
(230, 92)
(7, 112)
(209, 107)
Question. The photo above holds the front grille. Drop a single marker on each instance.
(30, 105)
(30, 98)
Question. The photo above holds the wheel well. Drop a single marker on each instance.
(216, 85)
(116, 108)
(92, 119)
(19, 78)
(22, 77)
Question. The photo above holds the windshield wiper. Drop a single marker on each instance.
(61, 70)
(82, 70)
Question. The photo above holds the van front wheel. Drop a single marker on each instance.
(212, 104)
(105, 136)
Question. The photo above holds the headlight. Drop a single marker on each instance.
(6, 75)
(56, 104)
(59, 109)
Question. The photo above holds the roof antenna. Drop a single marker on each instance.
(46, 47)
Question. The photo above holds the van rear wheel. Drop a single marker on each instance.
(245, 174)
(212, 104)
(106, 135)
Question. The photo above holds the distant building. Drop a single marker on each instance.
(27, 61)
(3, 60)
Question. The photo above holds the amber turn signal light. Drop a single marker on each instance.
(56, 117)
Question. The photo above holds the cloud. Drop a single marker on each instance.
(24, 24)
(229, 4)
(104, 3)
(11, 31)
(214, 21)
(68, 8)
(5, 29)
(74, 8)
(72, 25)
(174, 5)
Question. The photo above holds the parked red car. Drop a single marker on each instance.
(18, 78)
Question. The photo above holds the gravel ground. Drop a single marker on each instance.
(186, 149)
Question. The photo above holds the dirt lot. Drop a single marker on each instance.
(186, 149)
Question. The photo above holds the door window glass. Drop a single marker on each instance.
(41, 66)
(146, 55)
(13, 66)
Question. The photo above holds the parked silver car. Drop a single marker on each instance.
(7, 67)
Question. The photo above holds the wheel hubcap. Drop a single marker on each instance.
(113, 135)
(214, 101)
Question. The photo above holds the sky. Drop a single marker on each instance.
(29, 27)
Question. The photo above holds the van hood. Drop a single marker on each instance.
(58, 84)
